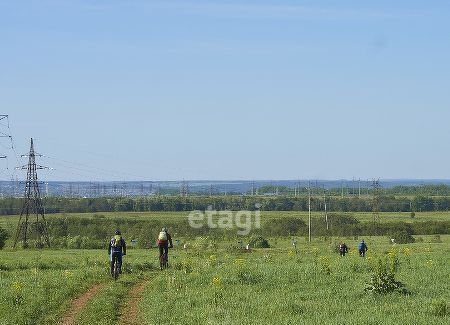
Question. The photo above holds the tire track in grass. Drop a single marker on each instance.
(129, 314)
(79, 304)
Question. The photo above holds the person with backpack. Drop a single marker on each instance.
(164, 242)
(117, 248)
(343, 249)
(362, 248)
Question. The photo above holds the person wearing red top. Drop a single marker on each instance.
(164, 242)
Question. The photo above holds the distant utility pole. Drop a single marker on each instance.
(309, 211)
(325, 206)
(359, 188)
(123, 189)
(32, 206)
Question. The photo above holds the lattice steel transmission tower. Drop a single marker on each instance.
(376, 201)
(184, 189)
(32, 207)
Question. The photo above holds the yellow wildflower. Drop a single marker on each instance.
(216, 281)
(17, 286)
(239, 261)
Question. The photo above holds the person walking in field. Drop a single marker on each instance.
(343, 249)
(362, 248)
(164, 242)
(116, 249)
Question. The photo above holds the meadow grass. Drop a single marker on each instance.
(311, 286)
(105, 308)
(220, 284)
(36, 286)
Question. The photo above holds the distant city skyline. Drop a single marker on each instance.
(347, 188)
(226, 90)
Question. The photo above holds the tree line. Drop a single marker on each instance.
(13, 206)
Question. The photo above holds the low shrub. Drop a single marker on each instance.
(259, 242)
(383, 277)
(402, 237)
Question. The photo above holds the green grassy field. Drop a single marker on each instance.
(215, 283)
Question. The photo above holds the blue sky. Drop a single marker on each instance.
(157, 90)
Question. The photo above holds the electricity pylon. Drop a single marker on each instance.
(376, 203)
(32, 206)
(184, 189)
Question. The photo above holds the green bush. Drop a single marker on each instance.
(284, 226)
(259, 242)
(402, 237)
(383, 277)
(3, 237)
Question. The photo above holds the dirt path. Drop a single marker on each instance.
(79, 303)
(130, 311)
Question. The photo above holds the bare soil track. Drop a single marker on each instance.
(130, 311)
(79, 304)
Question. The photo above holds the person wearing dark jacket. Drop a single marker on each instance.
(343, 249)
(362, 248)
(117, 248)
